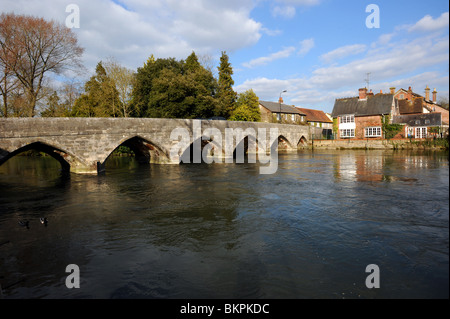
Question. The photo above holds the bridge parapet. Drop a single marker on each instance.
(84, 144)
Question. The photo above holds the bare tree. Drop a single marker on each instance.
(123, 79)
(32, 47)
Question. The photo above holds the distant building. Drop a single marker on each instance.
(317, 118)
(278, 112)
(419, 113)
(361, 117)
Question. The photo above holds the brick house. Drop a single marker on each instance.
(419, 113)
(361, 117)
(278, 112)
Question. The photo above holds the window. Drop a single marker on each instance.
(402, 96)
(347, 133)
(293, 117)
(421, 132)
(286, 117)
(278, 116)
(302, 118)
(373, 131)
(427, 121)
(347, 119)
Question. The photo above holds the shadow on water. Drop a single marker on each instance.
(225, 231)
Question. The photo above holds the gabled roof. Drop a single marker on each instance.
(408, 107)
(274, 107)
(373, 105)
(315, 115)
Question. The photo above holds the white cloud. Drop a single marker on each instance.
(306, 46)
(342, 52)
(300, 2)
(427, 23)
(285, 53)
(287, 12)
(413, 63)
(167, 28)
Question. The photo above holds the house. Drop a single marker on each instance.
(362, 116)
(320, 121)
(278, 112)
(419, 114)
(317, 118)
(418, 125)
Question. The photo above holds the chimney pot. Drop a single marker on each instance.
(427, 93)
(362, 93)
(280, 100)
(434, 95)
(392, 90)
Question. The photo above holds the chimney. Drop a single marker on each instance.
(409, 96)
(280, 100)
(381, 91)
(363, 94)
(392, 90)
(434, 95)
(370, 93)
(427, 93)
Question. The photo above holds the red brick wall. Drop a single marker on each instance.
(361, 122)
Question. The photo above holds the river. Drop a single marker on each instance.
(225, 231)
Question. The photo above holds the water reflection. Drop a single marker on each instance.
(225, 231)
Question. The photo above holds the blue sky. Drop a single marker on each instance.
(317, 50)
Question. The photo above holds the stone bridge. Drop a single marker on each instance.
(82, 145)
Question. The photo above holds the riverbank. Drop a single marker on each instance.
(404, 144)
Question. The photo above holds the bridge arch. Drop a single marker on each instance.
(145, 151)
(283, 143)
(302, 142)
(62, 156)
(187, 156)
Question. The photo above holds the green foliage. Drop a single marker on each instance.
(247, 108)
(390, 130)
(226, 95)
(434, 129)
(101, 98)
(335, 125)
(143, 86)
(175, 89)
(55, 108)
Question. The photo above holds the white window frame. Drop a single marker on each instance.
(373, 131)
(347, 119)
(293, 117)
(420, 132)
(347, 133)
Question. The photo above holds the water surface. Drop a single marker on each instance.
(225, 231)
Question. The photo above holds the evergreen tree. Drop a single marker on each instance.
(226, 95)
(175, 89)
(143, 86)
(192, 64)
(101, 98)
